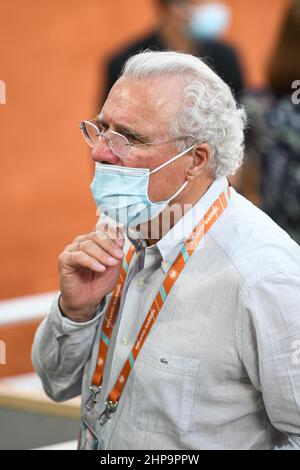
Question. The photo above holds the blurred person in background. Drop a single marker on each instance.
(271, 174)
(191, 26)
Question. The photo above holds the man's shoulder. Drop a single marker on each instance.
(253, 242)
(218, 48)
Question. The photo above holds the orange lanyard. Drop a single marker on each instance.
(187, 250)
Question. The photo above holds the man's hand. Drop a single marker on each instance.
(89, 269)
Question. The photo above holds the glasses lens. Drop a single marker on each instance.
(90, 133)
(118, 144)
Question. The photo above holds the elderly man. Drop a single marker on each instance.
(188, 337)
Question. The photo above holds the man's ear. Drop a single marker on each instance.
(199, 161)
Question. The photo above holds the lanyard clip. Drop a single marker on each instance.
(93, 397)
(110, 407)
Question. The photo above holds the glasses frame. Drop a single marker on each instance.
(128, 144)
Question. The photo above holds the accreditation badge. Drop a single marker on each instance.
(88, 439)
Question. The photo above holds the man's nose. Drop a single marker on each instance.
(102, 153)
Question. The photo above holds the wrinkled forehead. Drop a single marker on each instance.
(151, 103)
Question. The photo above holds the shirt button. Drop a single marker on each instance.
(140, 282)
(125, 340)
(165, 266)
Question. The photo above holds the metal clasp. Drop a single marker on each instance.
(93, 397)
(110, 407)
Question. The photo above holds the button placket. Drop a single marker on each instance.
(140, 282)
(165, 266)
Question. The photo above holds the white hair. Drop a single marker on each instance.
(208, 112)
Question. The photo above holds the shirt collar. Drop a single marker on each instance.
(171, 244)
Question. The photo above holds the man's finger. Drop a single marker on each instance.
(112, 230)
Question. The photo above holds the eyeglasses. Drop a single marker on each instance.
(93, 132)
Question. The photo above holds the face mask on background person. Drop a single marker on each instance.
(209, 21)
(122, 192)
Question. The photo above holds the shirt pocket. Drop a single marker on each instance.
(163, 392)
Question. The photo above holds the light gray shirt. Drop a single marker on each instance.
(220, 368)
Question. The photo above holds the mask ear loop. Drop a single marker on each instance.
(167, 163)
(172, 160)
(177, 192)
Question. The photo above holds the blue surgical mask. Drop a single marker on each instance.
(122, 192)
(209, 21)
